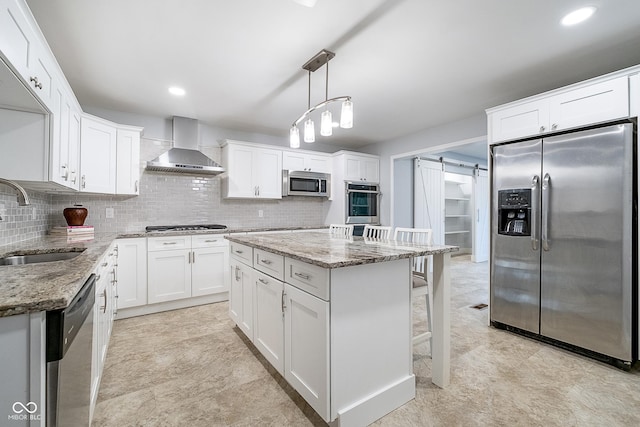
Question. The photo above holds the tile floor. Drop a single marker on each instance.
(192, 367)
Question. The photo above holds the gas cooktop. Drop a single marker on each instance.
(194, 227)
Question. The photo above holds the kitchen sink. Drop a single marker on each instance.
(19, 259)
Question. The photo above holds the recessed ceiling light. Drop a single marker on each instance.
(177, 91)
(577, 16)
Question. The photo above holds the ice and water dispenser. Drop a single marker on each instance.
(514, 212)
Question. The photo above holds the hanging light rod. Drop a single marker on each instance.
(346, 117)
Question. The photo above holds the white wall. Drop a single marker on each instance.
(472, 127)
(210, 136)
(403, 187)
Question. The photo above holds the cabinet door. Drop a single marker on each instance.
(241, 297)
(371, 169)
(209, 270)
(592, 104)
(268, 318)
(97, 157)
(23, 46)
(127, 161)
(293, 161)
(60, 150)
(531, 118)
(169, 275)
(74, 149)
(240, 171)
(132, 272)
(267, 167)
(306, 343)
(352, 165)
(317, 163)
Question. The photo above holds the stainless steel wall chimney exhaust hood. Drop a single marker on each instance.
(184, 157)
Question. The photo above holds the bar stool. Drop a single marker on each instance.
(376, 232)
(420, 284)
(341, 230)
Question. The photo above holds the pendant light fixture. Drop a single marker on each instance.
(326, 122)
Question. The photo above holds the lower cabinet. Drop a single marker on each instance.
(105, 310)
(186, 266)
(268, 312)
(132, 272)
(241, 296)
(306, 347)
(289, 326)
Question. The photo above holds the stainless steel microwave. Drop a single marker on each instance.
(303, 183)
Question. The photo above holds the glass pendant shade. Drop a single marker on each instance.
(326, 128)
(346, 115)
(309, 131)
(294, 137)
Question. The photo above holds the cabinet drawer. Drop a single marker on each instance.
(207, 241)
(168, 243)
(310, 278)
(242, 252)
(269, 263)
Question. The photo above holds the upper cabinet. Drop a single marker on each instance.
(591, 102)
(251, 171)
(306, 161)
(357, 167)
(110, 157)
(24, 47)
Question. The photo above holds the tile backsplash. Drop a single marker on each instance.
(165, 198)
(22, 222)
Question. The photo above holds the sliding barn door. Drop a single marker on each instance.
(428, 203)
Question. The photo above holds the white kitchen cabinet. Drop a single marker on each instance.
(186, 266)
(306, 161)
(65, 139)
(209, 265)
(268, 314)
(251, 171)
(132, 272)
(360, 167)
(241, 296)
(127, 161)
(23, 45)
(587, 104)
(98, 141)
(169, 275)
(306, 347)
(104, 314)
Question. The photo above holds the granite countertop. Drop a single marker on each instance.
(328, 251)
(52, 285)
(143, 233)
(49, 285)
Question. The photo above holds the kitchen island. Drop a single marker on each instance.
(333, 316)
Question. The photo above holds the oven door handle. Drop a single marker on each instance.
(363, 191)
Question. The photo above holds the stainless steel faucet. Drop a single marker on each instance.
(23, 197)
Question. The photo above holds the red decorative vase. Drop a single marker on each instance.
(75, 215)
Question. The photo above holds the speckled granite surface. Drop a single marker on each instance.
(328, 251)
(226, 231)
(50, 285)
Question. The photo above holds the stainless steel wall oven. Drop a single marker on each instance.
(362, 203)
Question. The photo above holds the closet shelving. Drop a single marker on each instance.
(457, 211)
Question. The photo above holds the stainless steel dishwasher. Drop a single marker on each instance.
(69, 355)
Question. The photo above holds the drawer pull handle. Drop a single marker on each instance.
(168, 243)
(238, 251)
(261, 280)
(210, 241)
(282, 302)
(265, 261)
(302, 276)
(104, 264)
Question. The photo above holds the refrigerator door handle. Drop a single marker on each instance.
(535, 207)
(546, 189)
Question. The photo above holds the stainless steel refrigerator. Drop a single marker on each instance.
(562, 240)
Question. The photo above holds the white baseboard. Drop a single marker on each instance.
(124, 313)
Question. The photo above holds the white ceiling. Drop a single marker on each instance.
(408, 64)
